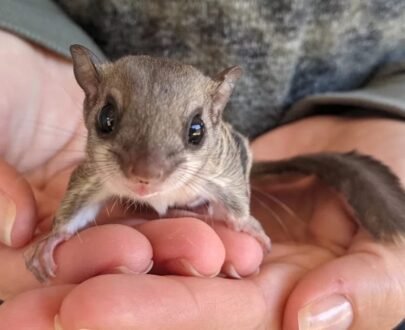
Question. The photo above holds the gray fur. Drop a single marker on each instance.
(289, 48)
(83, 185)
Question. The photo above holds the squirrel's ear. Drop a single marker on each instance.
(226, 82)
(85, 68)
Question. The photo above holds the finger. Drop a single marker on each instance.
(363, 290)
(104, 249)
(184, 246)
(17, 207)
(243, 253)
(34, 310)
(157, 302)
(191, 247)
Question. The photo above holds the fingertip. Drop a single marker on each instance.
(346, 292)
(313, 301)
(17, 208)
(243, 252)
(102, 250)
(184, 246)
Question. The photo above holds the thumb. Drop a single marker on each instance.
(17, 208)
(17, 224)
(361, 290)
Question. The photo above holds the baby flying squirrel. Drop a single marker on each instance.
(156, 136)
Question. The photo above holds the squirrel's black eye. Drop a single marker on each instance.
(196, 130)
(106, 119)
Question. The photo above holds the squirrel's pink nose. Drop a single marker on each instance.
(145, 174)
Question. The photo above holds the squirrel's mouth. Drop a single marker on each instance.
(143, 190)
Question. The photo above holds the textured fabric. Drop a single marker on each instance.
(290, 49)
(43, 22)
(383, 96)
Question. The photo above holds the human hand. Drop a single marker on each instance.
(314, 258)
(307, 261)
(42, 135)
(361, 282)
(45, 143)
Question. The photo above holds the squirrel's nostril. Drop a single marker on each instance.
(141, 180)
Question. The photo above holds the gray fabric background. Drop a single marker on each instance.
(43, 22)
(290, 49)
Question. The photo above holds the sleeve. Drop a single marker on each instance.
(44, 23)
(383, 96)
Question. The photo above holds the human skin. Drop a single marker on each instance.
(318, 250)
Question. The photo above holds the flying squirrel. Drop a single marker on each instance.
(156, 136)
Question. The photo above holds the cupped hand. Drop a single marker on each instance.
(322, 267)
(43, 139)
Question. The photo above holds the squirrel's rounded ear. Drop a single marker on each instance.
(226, 80)
(86, 69)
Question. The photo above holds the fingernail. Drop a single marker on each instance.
(184, 267)
(229, 270)
(330, 313)
(126, 270)
(7, 218)
(56, 323)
